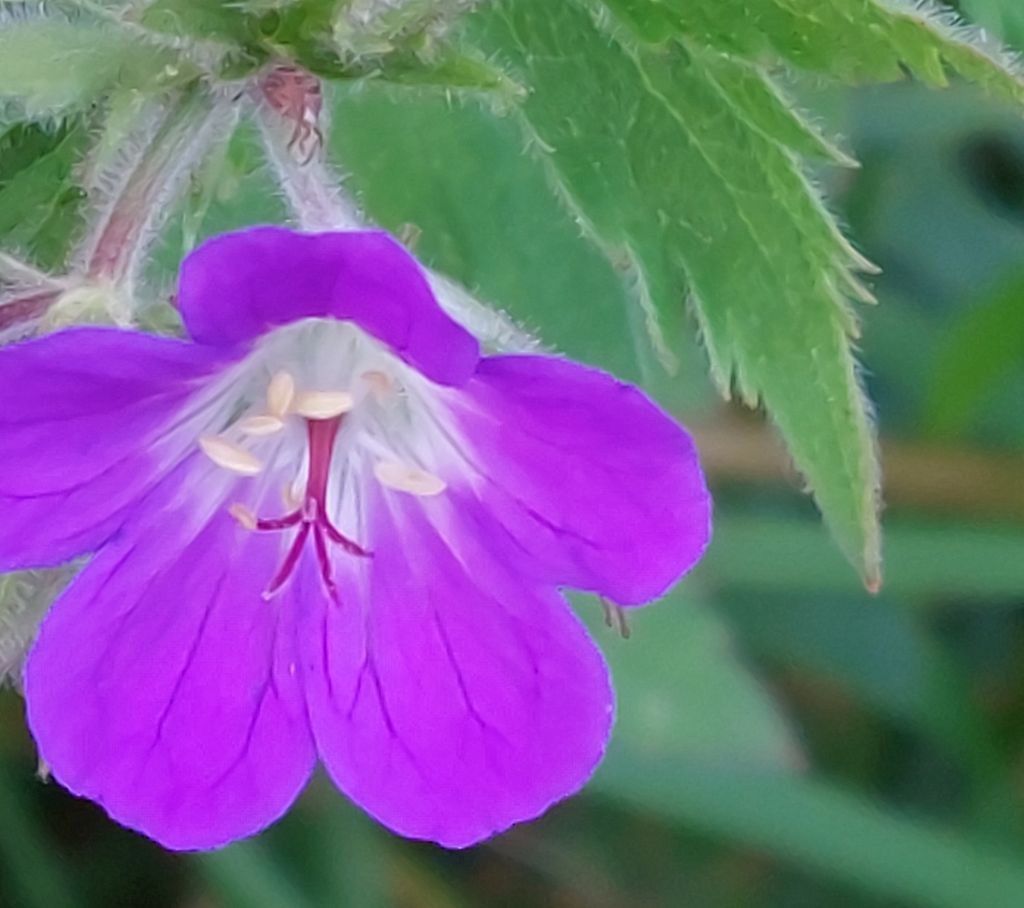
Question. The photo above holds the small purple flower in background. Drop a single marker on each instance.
(327, 528)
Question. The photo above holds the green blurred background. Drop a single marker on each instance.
(784, 739)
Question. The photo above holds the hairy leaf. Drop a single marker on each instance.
(449, 70)
(402, 151)
(454, 176)
(209, 20)
(40, 203)
(50, 66)
(682, 163)
(855, 40)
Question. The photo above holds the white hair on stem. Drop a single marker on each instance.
(133, 189)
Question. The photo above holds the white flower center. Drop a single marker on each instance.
(321, 409)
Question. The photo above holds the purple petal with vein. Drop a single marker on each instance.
(79, 413)
(163, 687)
(593, 485)
(451, 703)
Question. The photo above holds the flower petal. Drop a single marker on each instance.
(77, 412)
(237, 286)
(164, 687)
(595, 487)
(450, 702)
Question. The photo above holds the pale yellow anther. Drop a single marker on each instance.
(413, 480)
(280, 393)
(243, 515)
(260, 425)
(381, 384)
(229, 456)
(323, 404)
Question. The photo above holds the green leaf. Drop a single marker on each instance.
(450, 70)
(51, 245)
(684, 695)
(224, 21)
(881, 653)
(24, 143)
(455, 177)
(854, 40)
(767, 110)
(480, 211)
(1005, 17)
(305, 31)
(983, 347)
(50, 66)
(938, 562)
(662, 157)
(818, 826)
(40, 203)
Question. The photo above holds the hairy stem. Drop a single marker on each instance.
(138, 188)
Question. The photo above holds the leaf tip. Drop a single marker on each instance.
(873, 581)
(871, 557)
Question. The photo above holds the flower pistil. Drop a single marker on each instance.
(323, 412)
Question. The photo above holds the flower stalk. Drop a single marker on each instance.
(137, 188)
(132, 189)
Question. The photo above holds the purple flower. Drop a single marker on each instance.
(326, 527)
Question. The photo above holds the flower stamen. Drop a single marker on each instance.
(280, 394)
(245, 517)
(323, 404)
(260, 425)
(230, 456)
(382, 386)
(405, 478)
